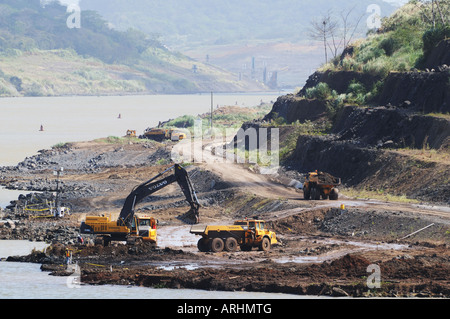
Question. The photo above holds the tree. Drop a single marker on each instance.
(434, 12)
(335, 35)
(322, 29)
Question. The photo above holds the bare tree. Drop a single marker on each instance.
(434, 11)
(348, 26)
(321, 29)
(334, 35)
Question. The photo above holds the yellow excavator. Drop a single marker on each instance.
(137, 229)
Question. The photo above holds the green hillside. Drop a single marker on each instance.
(403, 42)
(41, 55)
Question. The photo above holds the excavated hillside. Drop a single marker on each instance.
(398, 143)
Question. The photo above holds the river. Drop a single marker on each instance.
(70, 119)
(27, 281)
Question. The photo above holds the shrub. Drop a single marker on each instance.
(321, 92)
(390, 45)
(356, 88)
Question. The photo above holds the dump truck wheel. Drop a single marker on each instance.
(202, 245)
(217, 245)
(334, 194)
(265, 244)
(231, 244)
(306, 193)
(315, 193)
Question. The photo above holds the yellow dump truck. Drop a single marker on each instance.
(160, 134)
(141, 229)
(320, 184)
(245, 234)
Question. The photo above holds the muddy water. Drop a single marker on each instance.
(27, 281)
(70, 119)
(6, 195)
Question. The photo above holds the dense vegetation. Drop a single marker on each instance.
(26, 25)
(403, 42)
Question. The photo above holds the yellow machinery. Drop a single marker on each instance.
(141, 229)
(160, 134)
(131, 133)
(245, 234)
(320, 184)
(133, 229)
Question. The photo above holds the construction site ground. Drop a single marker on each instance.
(333, 248)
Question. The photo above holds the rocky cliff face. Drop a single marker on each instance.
(391, 128)
(376, 146)
(424, 92)
(293, 108)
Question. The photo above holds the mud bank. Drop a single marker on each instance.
(323, 252)
(346, 276)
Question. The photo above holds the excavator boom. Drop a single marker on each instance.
(151, 186)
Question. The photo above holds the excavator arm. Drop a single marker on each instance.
(151, 186)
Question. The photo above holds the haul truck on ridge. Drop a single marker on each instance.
(245, 234)
(135, 229)
(319, 184)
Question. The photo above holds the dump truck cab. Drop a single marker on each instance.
(258, 235)
(176, 135)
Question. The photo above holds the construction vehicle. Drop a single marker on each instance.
(131, 133)
(245, 234)
(136, 229)
(160, 134)
(319, 184)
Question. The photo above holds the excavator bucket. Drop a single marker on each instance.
(191, 217)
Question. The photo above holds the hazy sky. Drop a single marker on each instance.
(69, 2)
(396, 2)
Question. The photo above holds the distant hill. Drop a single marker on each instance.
(181, 22)
(237, 35)
(41, 55)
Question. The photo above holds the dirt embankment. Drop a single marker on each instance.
(399, 144)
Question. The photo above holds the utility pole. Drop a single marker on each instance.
(58, 173)
(212, 103)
